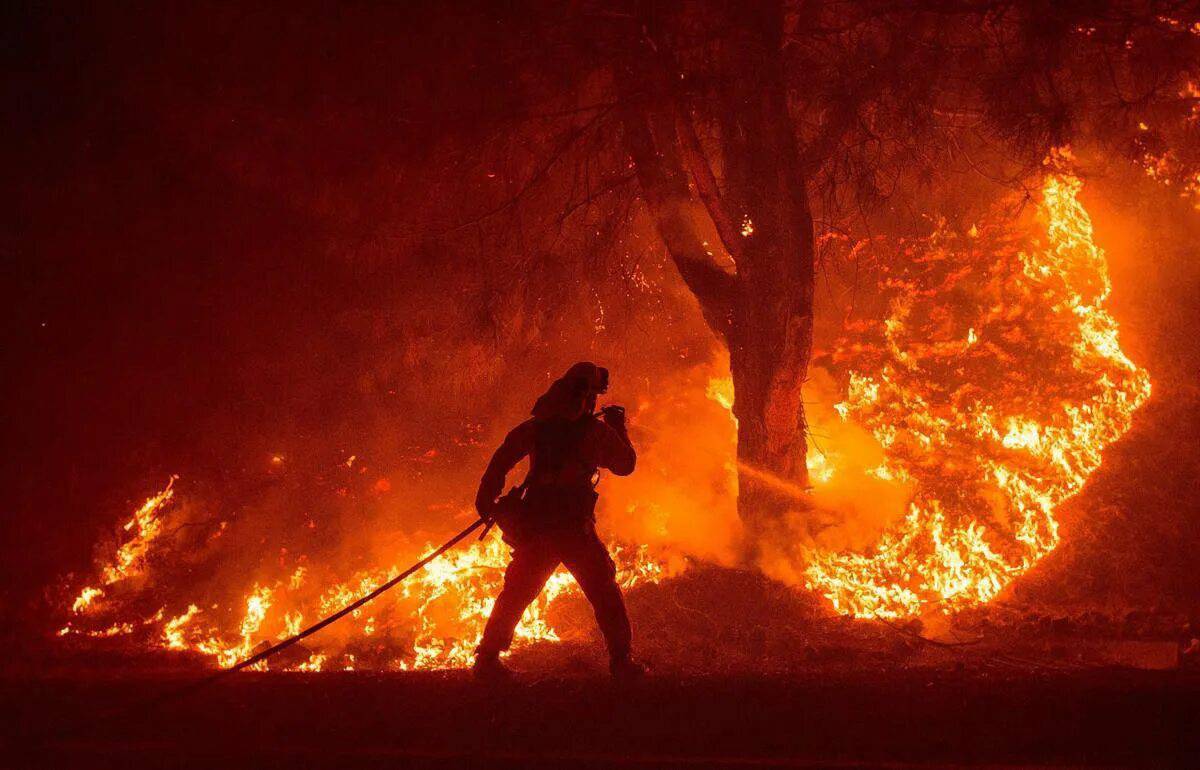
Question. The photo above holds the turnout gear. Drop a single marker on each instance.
(488, 668)
(626, 669)
(550, 519)
(574, 394)
(532, 564)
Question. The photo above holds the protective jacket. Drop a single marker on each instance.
(558, 523)
(564, 456)
(555, 524)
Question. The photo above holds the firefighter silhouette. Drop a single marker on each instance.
(550, 519)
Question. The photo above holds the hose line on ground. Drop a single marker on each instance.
(258, 658)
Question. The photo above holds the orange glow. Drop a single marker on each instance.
(146, 526)
(992, 458)
(433, 620)
(974, 419)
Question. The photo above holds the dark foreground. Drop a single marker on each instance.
(936, 717)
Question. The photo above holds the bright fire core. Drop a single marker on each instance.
(994, 409)
(997, 411)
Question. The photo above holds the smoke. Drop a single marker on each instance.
(682, 499)
(852, 500)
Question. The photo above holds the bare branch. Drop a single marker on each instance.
(664, 188)
(540, 173)
(706, 183)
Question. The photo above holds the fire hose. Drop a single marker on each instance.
(279, 647)
(343, 612)
(94, 720)
(349, 608)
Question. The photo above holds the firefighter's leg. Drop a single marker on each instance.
(527, 573)
(589, 562)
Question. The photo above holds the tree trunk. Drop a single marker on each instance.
(764, 310)
(771, 340)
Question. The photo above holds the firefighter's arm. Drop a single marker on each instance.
(617, 452)
(517, 444)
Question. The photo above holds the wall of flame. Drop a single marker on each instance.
(997, 410)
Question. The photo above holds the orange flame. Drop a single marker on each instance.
(128, 559)
(988, 445)
(1012, 454)
(438, 614)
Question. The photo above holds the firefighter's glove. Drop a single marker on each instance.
(614, 416)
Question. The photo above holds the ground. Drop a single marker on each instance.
(745, 672)
(925, 717)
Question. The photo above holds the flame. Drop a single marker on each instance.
(994, 454)
(990, 413)
(172, 633)
(432, 620)
(85, 599)
(130, 556)
(1172, 166)
(146, 526)
(720, 389)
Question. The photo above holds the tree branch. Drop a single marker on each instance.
(665, 190)
(706, 183)
(540, 173)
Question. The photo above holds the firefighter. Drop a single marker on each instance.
(550, 519)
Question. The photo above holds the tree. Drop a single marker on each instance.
(762, 308)
(752, 127)
(805, 98)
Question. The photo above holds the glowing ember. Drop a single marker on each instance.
(997, 428)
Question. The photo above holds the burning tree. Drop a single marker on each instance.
(743, 120)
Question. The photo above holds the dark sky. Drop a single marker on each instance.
(174, 185)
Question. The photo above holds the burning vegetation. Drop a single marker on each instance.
(997, 409)
(990, 388)
(431, 621)
(899, 303)
(837, 256)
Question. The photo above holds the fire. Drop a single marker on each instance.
(172, 633)
(146, 525)
(989, 389)
(997, 429)
(432, 620)
(85, 599)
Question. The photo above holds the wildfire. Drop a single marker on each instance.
(433, 620)
(85, 599)
(998, 432)
(989, 388)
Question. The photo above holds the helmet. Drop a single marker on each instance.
(572, 395)
(596, 377)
